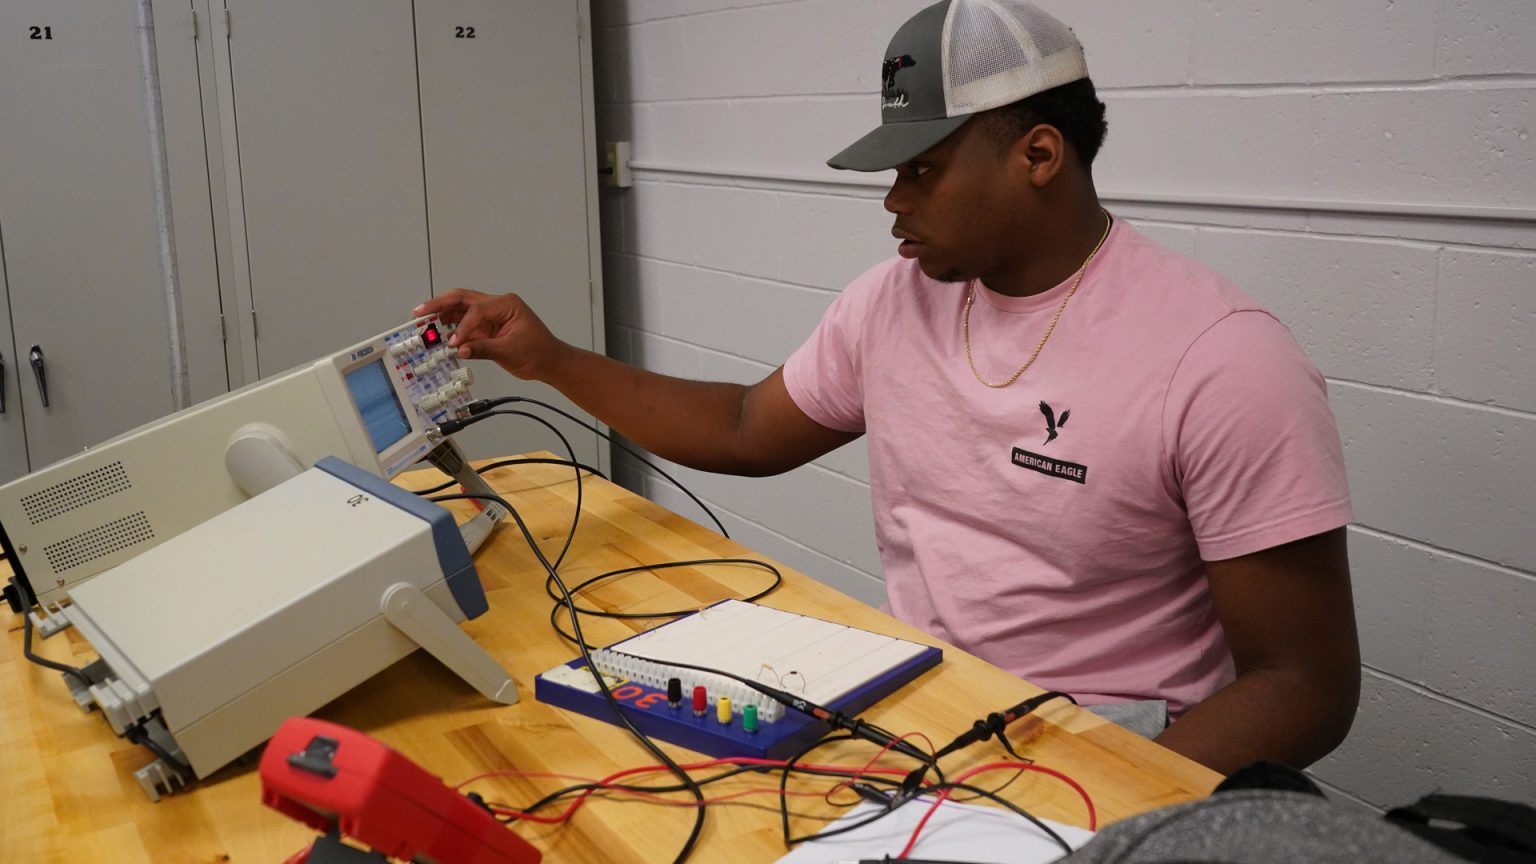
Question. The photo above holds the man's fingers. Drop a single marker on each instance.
(482, 349)
(450, 306)
(472, 349)
(470, 323)
(449, 311)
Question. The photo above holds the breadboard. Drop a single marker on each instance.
(838, 667)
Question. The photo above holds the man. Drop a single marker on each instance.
(1094, 462)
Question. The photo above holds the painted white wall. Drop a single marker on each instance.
(1365, 169)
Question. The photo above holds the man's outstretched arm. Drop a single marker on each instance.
(1289, 619)
(712, 426)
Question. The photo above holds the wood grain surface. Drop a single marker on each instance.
(68, 796)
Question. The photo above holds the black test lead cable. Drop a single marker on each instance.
(618, 710)
(135, 733)
(997, 723)
(888, 805)
(483, 408)
(992, 795)
(688, 782)
(911, 787)
(26, 642)
(902, 797)
(570, 451)
(554, 613)
(790, 766)
(599, 786)
(521, 460)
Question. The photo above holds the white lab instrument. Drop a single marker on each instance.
(373, 404)
(271, 609)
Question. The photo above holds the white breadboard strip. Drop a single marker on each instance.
(656, 674)
(808, 657)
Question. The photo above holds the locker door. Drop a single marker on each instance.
(81, 249)
(329, 148)
(502, 108)
(13, 430)
(181, 65)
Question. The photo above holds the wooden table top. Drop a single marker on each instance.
(68, 795)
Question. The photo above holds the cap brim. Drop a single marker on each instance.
(892, 144)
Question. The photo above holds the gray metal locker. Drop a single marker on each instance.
(181, 54)
(78, 224)
(330, 165)
(13, 429)
(505, 114)
(327, 141)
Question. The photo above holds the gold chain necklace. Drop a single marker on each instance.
(970, 295)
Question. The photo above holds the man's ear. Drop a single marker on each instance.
(1042, 151)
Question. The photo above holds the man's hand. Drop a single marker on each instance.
(1289, 618)
(500, 328)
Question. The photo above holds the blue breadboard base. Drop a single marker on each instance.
(780, 739)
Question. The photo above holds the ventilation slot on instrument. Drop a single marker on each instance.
(112, 537)
(88, 488)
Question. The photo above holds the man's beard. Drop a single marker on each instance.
(951, 274)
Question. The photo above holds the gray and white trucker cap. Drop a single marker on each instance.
(957, 58)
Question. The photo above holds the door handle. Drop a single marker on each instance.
(41, 371)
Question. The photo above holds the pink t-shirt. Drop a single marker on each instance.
(1198, 430)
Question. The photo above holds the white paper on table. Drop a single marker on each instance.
(957, 832)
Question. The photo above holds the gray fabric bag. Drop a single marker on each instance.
(1258, 826)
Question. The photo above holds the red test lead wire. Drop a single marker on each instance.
(1093, 819)
(582, 797)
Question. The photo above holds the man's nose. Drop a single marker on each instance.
(897, 201)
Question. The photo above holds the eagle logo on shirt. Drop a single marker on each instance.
(1051, 423)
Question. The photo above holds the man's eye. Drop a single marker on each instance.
(919, 170)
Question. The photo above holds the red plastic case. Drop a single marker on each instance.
(332, 777)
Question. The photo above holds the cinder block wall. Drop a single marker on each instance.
(1365, 169)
